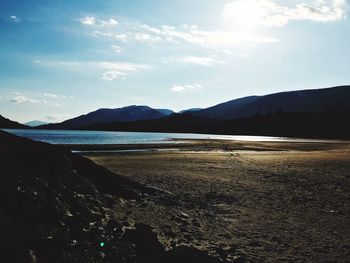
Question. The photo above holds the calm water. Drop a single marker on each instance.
(103, 137)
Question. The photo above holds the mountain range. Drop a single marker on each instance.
(125, 114)
(258, 115)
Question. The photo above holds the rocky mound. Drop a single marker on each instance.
(56, 206)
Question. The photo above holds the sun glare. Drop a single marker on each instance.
(245, 15)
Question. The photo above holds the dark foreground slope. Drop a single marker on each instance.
(8, 124)
(56, 206)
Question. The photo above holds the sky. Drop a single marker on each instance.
(60, 59)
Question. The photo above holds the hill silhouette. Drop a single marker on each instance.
(304, 113)
(8, 124)
(319, 100)
(299, 124)
(130, 113)
(223, 110)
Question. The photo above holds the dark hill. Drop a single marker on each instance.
(174, 123)
(222, 110)
(8, 124)
(332, 124)
(143, 117)
(130, 113)
(319, 100)
(328, 125)
(56, 206)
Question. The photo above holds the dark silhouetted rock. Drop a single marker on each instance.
(54, 206)
(144, 240)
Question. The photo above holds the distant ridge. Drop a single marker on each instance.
(319, 113)
(8, 124)
(125, 114)
(35, 123)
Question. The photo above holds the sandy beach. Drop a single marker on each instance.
(266, 201)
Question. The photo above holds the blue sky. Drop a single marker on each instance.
(60, 59)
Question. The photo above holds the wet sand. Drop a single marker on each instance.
(266, 201)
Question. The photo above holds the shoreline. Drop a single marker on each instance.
(166, 137)
(210, 145)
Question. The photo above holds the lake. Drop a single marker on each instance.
(106, 137)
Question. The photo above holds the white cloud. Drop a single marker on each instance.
(51, 95)
(119, 70)
(56, 96)
(88, 20)
(212, 39)
(98, 33)
(242, 19)
(23, 99)
(190, 34)
(186, 88)
(107, 70)
(112, 75)
(203, 61)
(109, 23)
(151, 29)
(248, 14)
(195, 60)
(117, 49)
(121, 37)
(122, 66)
(185, 34)
(110, 34)
(144, 37)
(92, 21)
(15, 19)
